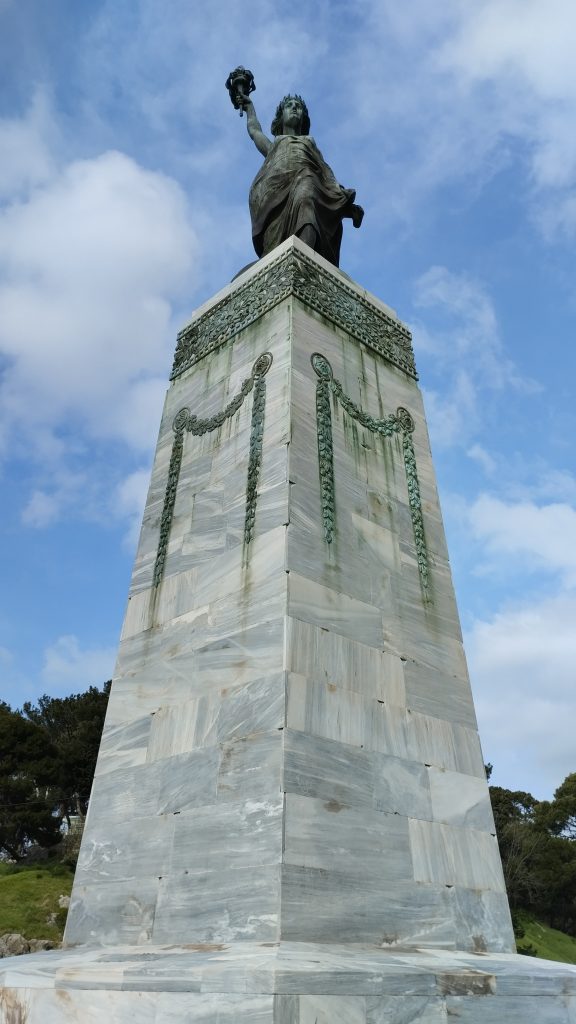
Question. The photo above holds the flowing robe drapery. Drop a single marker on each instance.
(295, 187)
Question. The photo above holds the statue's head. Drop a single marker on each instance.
(278, 122)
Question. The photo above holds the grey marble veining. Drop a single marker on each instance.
(459, 799)
(251, 767)
(342, 774)
(257, 706)
(327, 835)
(112, 913)
(482, 919)
(322, 906)
(189, 780)
(328, 711)
(322, 606)
(496, 1009)
(228, 836)
(325, 656)
(332, 1010)
(127, 851)
(283, 983)
(124, 746)
(439, 694)
(156, 671)
(219, 906)
(446, 855)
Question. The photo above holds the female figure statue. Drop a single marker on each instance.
(295, 192)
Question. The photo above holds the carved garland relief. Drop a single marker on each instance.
(186, 422)
(400, 423)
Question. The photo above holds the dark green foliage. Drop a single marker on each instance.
(48, 756)
(559, 815)
(536, 840)
(74, 726)
(519, 844)
(28, 773)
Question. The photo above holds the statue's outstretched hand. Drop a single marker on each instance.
(244, 101)
(357, 213)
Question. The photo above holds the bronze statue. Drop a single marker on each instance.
(295, 191)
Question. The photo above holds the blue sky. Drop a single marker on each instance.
(124, 175)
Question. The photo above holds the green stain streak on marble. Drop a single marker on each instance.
(398, 426)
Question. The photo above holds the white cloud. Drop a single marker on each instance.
(526, 536)
(67, 666)
(555, 483)
(26, 148)
(93, 256)
(518, 40)
(90, 264)
(41, 510)
(490, 84)
(136, 419)
(129, 501)
(452, 414)
(462, 336)
(523, 52)
(522, 664)
(6, 656)
(483, 458)
(469, 327)
(62, 492)
(140, 51)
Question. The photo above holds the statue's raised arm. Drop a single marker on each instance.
(295, 191)
(254, 127)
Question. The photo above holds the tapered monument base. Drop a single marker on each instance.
(290, 820)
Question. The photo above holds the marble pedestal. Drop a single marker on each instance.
(283, 983)
(290, 819)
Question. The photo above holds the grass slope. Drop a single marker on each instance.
(29, 895)
(549, 943)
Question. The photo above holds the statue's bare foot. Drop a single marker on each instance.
(357, 215)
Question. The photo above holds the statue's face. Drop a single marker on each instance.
(292, 114)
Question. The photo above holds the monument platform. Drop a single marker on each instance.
(284, 983)
(290, 819)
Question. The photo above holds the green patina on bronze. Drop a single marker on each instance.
(261, 367)
(295, 191)
(325, 450)
(295, 274)
(186, 422)
(400, 423)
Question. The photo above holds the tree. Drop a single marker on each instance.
(555, 865)
(74, 726)
(520, 842)
(559, 814)
(28, 773)
(536, 840)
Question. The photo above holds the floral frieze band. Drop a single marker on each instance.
(325, 291)
(186, 422)
(399, 423)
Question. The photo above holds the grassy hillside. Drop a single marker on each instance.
(546, 943)
(29, 896)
